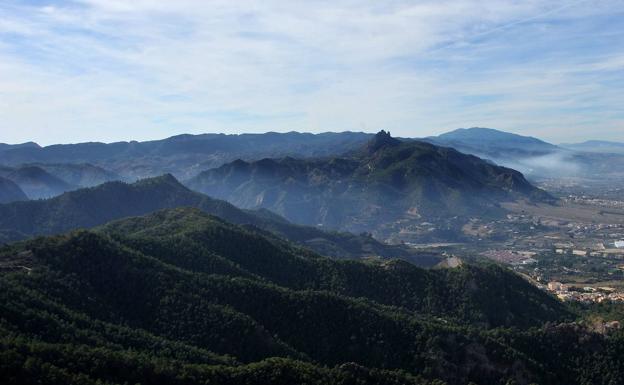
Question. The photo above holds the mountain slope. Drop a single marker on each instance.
(94, 206)
(235, 296)
(10, 192)
(173, 235)
(378, 188)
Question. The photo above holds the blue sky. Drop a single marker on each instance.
(107, 70)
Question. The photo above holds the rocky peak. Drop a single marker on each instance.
(380, 140)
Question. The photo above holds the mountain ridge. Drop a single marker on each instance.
(89, 207)
(182, 154)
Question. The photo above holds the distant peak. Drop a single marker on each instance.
(383, 134)
(472, 131)
(380, 140)
(481, 135)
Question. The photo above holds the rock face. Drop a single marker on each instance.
(385, 182)
(381, 139)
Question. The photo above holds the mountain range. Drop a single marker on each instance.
(384, 187)
(337, 180)
(183, 155)
(179, 296)
(89, 207)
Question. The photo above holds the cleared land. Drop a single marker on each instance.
(567, 212)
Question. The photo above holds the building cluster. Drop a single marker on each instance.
(593, 201)
(586, 294)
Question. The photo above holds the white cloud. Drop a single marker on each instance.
(106, 70)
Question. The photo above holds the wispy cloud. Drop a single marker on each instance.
(113, 69)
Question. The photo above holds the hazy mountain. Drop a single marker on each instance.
(40, 181)
(10, 192)
(493, 143)
(598, 146)
(385, 186)
(80, 174)
(94, 206)
(182, 297)
(36, 182)
(529, 155)
(532, 156)
(185, 155)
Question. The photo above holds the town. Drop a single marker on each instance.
(574, 250)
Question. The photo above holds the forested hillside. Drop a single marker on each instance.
(183, 297)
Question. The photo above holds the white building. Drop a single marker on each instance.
(619, 244)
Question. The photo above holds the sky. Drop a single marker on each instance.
(109, 70)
